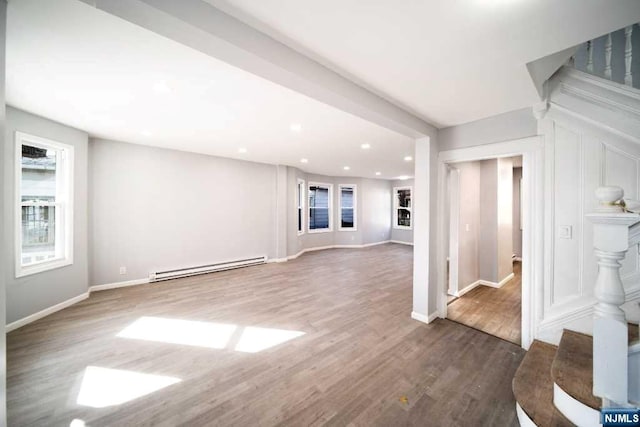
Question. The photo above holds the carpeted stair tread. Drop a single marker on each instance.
(533, 386)
(572, 368)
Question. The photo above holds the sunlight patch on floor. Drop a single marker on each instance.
(102, 387)
(246, 339)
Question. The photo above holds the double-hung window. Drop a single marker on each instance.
(347, 207)
(300, 206)
(320, 203)
(402, 207)
(44, 204)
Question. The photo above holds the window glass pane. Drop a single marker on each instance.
(404, 198)
(404, 217)
(318, 218)
(346, 220)
(318, 197)
(346, 197)
(299, 219)
(38, 234)
(38, 183)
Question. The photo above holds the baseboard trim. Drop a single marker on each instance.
(400, 242)
(468, 288)
(44, 313)
(321, 248)
(96, 288)
(499, 284)
(71, 301)
(574, 410)
(523, 418)
(424, 319)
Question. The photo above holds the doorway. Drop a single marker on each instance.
(490, 279)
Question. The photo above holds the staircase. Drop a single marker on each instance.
(569, 384)
(554, 384)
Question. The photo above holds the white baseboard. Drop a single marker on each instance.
(424, 319)
(499, 284)
(400, 242)
(64, 304)
(321, 248)
(523, 418)
(115, 285)
(574, 410)
(468, 288)
(43, 313)
(272, 260)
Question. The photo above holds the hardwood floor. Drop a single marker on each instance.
(494, 311)
(362, 360)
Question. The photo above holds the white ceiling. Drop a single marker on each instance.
(74, 64)
(448, 61)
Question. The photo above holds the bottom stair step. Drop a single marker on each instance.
(533, 386)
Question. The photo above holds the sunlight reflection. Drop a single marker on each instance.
(255, 339)
(176, 331)
(77, 423)
(249, 339)
(102, 387)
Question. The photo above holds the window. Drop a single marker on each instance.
(44, 204)
(319, 197)
(402, 207)
(300, 206)
(347, 207)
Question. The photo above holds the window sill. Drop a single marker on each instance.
(348, 229)
(400, 227)
(42, 267)
(320, 230)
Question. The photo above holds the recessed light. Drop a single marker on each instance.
(403, 177)
(378, 173)
(304, 160)
(242, 150)
(146, 133)
(365, 146)
(295, 127)
(408, 158)
(346, 168)
(161, 86)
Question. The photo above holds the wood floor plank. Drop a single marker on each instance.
(362, 360)
(495, 311)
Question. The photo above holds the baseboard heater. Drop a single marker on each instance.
(157, 276)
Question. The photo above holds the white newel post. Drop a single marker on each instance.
(610, 343)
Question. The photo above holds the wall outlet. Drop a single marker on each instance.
(123, 270)
(565, 232)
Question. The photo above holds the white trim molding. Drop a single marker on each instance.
(96, 288)
(532, 151)
(44, 313)
(354, 188)
(422, 318)
(397, 207)
(523, 418)
(574, 410)
(400, 242)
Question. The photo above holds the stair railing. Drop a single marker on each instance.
(611, 233)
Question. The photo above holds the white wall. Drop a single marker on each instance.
(155, 209)
(517, 232)
(469, 224)
(30, 294)
(3, 201)
(373, 221)
(505, 219)
(399, 234)
(503, 127)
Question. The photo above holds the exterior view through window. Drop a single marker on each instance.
(347, 207)
(44, 199)
(320, 207)
(402, 207)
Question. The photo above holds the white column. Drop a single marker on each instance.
(3, 201)
(610, 342)
(281, 212)
(421, 238)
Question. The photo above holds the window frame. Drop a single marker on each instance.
(396, 206)
(63, 204)
(300, 208)
(354, 187)
(330, 207)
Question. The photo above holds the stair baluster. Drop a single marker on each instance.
(628, 55)
(607, 57)
(610, 341)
